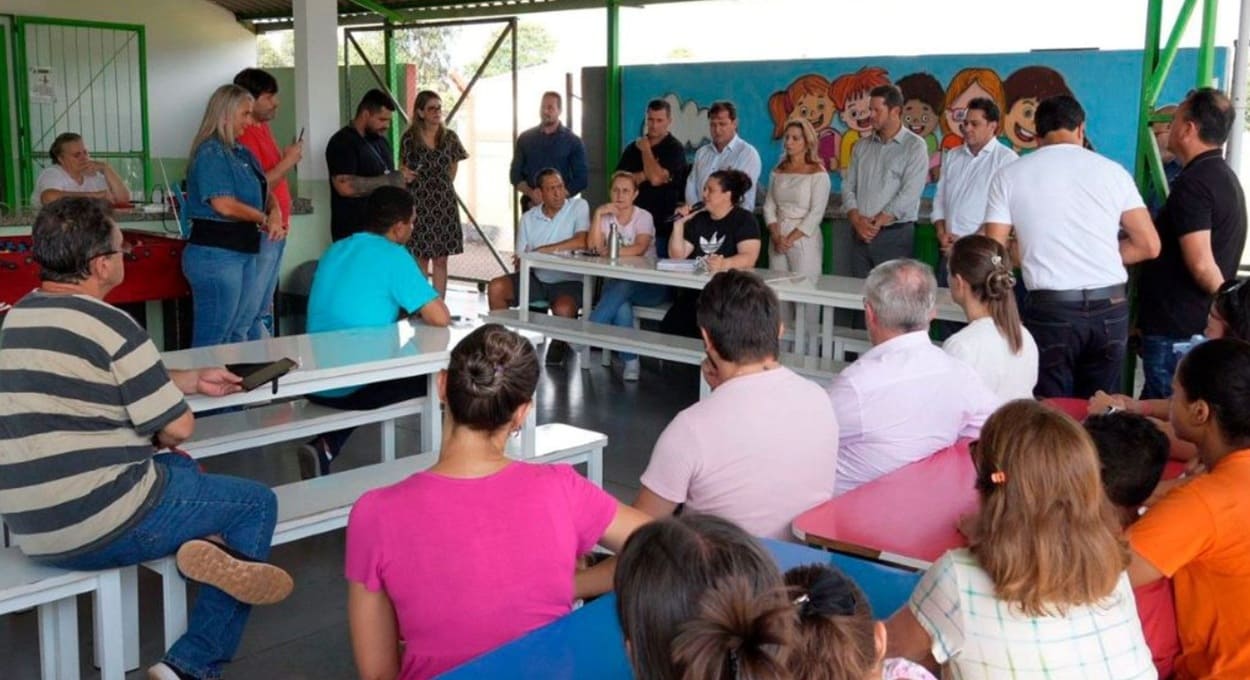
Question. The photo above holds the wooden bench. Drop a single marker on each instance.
(25, 584)
(649, 343)
(300, 419)
(319, 505)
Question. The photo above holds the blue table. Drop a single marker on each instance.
(587, 643)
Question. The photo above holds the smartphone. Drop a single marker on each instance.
(255, 375)
(301, 135)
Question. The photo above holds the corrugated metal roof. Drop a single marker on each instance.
(253, 10)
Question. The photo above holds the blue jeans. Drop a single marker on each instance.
(220, 280)
(196, 505)
(616, 304)
(268, 262)
(1158, 361)
(1081, 346)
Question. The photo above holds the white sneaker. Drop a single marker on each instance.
(633, 368)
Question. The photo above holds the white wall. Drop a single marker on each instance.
(192, 47)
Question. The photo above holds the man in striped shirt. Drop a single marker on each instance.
(85, 406)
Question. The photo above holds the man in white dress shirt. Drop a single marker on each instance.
(904, 399)
(726, 151)
(1068, 207)
(964, 183)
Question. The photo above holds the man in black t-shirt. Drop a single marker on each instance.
(360, 160)
(658, 162)
(1202, 227)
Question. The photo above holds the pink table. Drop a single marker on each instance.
(908, 517)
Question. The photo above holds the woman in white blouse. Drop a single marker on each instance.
(994, 342)
(798, 192)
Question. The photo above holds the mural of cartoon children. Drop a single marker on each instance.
(922, 109)
(849, 93)
(807, 98)
(968, 84)
(1024, 89)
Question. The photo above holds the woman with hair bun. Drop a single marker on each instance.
(479, 549)
(1041, 591)
(995, 343)
(699, 599)
(837, 637)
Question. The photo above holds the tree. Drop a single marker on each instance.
(534, 46)
(426, 48)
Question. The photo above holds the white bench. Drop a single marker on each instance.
(649, 343)
(299, 419)
(319, 505)
(25, 584)
(844, 339)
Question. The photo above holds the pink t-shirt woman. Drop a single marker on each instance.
(470, 564)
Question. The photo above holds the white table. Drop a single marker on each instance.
(828, 291)
(332, 360)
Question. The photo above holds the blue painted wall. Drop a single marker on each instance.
(1106, 83)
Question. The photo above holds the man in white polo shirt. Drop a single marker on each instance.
(1068, 207)
(558, 223)
(726, 151)
(964, 183)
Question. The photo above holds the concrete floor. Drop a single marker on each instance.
(306, 636)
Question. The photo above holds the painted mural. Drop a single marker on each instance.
(832, 95)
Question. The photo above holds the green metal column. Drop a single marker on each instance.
(1147, 156)
(1206, 49)
(7, 167)
(612, 123)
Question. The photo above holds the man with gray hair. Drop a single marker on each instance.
(905, 398)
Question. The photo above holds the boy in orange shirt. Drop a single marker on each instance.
(1197, 534)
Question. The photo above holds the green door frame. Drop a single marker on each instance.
(7, 164)
(21, 69)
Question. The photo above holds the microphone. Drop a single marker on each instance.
(693, 209)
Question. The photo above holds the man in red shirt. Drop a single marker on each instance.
(258, 139)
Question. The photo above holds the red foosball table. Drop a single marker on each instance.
(153, 273)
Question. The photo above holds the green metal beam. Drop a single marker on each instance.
(1168, 54)
(379, 9)
(392, 86)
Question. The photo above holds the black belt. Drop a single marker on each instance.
(1087, 295)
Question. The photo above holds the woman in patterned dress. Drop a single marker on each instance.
(433, 153)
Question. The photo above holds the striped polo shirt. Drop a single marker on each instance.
(82, 392)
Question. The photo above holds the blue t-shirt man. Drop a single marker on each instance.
(369, 279)
(365, 280)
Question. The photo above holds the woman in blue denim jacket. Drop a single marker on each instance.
(230, 209)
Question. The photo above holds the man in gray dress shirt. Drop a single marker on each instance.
(881, 189)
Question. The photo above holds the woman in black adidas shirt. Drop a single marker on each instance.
(724, 232)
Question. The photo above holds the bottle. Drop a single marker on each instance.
(614, 241)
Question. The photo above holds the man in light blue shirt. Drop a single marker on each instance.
(881, 189)
(558, 223)
(369, 279)
(727, 151)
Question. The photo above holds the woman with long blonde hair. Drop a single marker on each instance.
(1041, 591)
(230, 210)
(798, 193)
(433, 152)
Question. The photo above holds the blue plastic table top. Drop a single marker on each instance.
(587, 643)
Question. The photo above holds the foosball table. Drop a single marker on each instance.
(153, 274)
